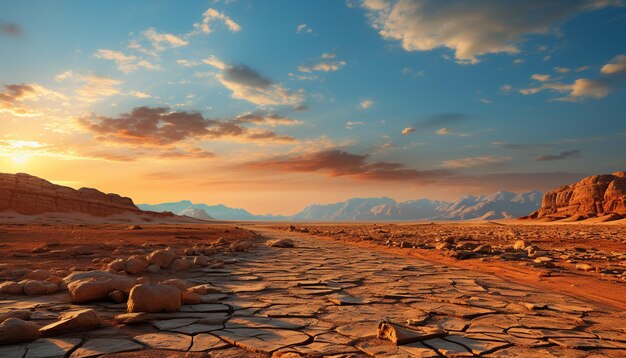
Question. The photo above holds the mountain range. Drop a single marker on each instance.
(500, 205)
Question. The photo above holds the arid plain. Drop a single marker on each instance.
(293, 290)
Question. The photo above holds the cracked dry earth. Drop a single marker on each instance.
(325, 298)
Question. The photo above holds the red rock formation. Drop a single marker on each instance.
(592, 196)
(30, 195)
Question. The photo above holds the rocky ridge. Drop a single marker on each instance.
(597, 195)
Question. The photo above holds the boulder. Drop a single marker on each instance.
(98, 288)
(40, 275)
(181, 264)
(201, 261)
(12, 288)
(19, 314)
(154, 298)
(136, 264)
(82, 320)
(178, 283)
(33, 287)
(116, 265)
(162, 258)
(14, 330)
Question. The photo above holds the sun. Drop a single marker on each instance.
(20, 158)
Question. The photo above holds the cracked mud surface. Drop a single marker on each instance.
(325, 298)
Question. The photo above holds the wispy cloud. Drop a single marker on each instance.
(212, 16)
(10, 29)
(563, 155)
(472, 162)
(611, 75)
(339, 163)
(13, 97)
(247, 84)
(125, 63)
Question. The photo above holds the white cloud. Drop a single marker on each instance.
(541, 78)
(211, 16)
(187, 63)
(472, 28)
(446, 131)
(562, 69)
(583, 88)
(506, 88)
(368, 103)
(352, 124)
(474, 162)
(139, 94)
(64, 75)
(161, 41)
(329, 55)
(617, 65)
(215, 62)
(303, 28)
(125, 63)
(97, 87)
(322, 67)
(408, 130)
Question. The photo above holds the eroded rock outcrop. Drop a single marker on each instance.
(596, 195)
(30, 195)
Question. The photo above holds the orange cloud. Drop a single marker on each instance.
(337, 163)
(145, 126)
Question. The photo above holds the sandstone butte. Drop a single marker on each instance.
(597, 195)
(29, 195)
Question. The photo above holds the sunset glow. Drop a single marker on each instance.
(223, 103)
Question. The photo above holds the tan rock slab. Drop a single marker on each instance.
(51, 347)
(166, 340)
(99, 346)
(206, 342)
(447, 348)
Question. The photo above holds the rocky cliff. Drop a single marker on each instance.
(596, 195)
(29, 195)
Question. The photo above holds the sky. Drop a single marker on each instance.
(277, 104)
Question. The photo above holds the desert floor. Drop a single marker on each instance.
(326, 295)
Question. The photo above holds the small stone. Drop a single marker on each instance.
(285, 243)
(191, 298)
(400, 335)
(584, 267)
(201, 261)
(520, 245)
(117, 296)
(135, 317)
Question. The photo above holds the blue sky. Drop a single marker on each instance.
(312, 101)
